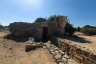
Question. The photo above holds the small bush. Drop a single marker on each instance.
(52, 18)
(69, 29)
(89, 31)
(1, 26)
(88, 26)
(40, 20)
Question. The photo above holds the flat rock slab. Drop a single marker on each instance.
(33, 46)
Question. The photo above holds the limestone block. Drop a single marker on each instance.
(65, 60)
(57, 56)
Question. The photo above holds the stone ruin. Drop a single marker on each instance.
(80, 54)
(43, 30)
(39, 30)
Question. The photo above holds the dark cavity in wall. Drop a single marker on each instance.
(45, 34)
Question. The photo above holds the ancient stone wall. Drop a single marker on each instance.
(80, 54)
(59, 56)
(55, 27)
(21, 29)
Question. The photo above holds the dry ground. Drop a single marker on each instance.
(12, 52)
(88, 41)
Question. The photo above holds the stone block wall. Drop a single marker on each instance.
(22, 29)
(80, 54)
(59, 56)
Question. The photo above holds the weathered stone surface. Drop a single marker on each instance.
(53, 53)
(33, 46)
(57, 56)
(51, 50)
(59, 60)
(57, 52)
(71, 61)
(61, 63)
(22, 29)
(65, 60)
(65, 56)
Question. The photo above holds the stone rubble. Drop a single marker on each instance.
(59, 56)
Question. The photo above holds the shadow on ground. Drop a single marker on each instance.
(76, 39)
(17, 39)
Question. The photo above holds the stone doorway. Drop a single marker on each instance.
(45, 34)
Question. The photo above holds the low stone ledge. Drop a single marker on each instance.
(33, 46)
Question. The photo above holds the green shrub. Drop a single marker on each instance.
(1, 26)
(88, 26)
(69, 29)
(40, 20)
(52, 18)
(89, 31)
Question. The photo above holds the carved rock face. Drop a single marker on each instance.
(61, 23)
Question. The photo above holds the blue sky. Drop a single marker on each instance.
(80, 12)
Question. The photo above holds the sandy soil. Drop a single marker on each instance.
(12, 52)
(91, 44)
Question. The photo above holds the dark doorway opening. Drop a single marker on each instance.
(45, 34)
